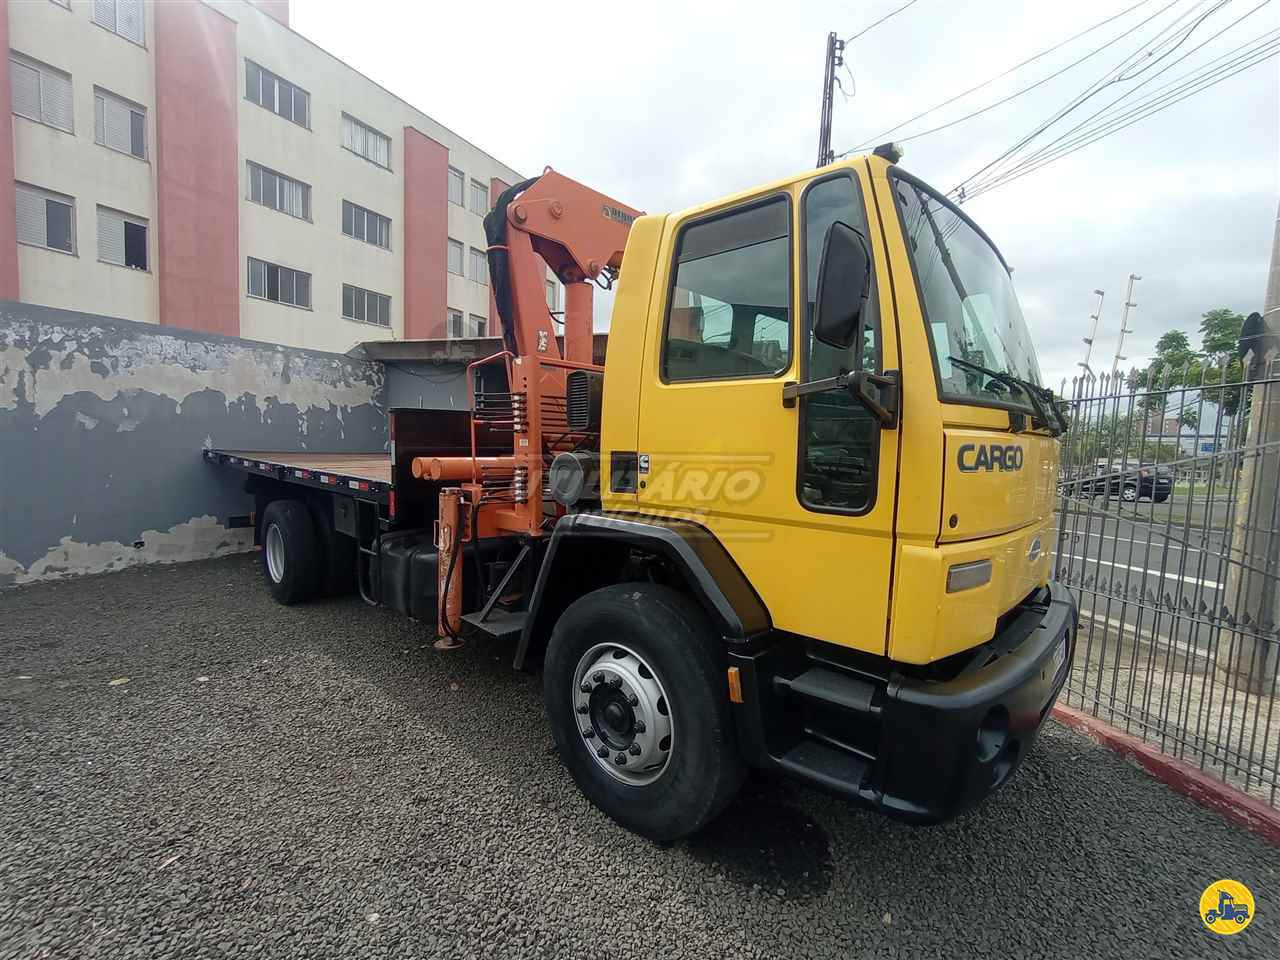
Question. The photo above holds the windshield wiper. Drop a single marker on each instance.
(1038, 396)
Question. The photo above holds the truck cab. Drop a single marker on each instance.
(874, 549)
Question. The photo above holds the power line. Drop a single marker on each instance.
(1092, 90)
(1138, 114)
(1108, 114)
(1027, 89)
(880, 137)
(891, 13)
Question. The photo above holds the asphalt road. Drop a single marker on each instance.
(318, 782)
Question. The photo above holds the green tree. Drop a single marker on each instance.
(1220, 332)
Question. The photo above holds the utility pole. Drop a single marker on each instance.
(1124, 327)
(835, 59)
(1093, 335)
(1248, 656)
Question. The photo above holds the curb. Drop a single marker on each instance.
(1237, 807)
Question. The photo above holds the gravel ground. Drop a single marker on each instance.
(318, 782)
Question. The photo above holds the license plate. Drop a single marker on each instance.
(1059, 655)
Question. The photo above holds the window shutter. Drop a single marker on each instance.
(110, 236)
(117, 125)
(31, 216)
(129, 19)
(104, 13)
(55, 99)
(99, 118)
(26, 89)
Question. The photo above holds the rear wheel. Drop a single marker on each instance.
(290, 551)
(1129, 494)
(635, 693)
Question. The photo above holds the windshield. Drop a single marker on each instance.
(969, 302)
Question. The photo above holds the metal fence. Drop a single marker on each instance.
(1169, 535)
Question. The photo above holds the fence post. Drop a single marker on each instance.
(1252, 587)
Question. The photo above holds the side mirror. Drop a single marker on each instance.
(844, 281)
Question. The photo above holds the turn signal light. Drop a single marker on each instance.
(966, 576)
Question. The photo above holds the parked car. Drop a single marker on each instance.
(1130, 483)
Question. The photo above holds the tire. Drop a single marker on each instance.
(291, 553)
(664, 795)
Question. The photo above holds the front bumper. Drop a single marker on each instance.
(917, 750)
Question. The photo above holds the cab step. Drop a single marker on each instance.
(498, 623)
(837, 770)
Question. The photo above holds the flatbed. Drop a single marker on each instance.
(365, 473)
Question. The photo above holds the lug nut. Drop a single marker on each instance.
(620, 759)
(602, 752)
(598, 677)
(588, 733)
(634, 749)
(633, 700)
(583, 708)
(640, 727)
(586, 687)
(615, 681)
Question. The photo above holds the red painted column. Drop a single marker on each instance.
(8, 211)
(276, 9)
(426, 233)
(197, 169)
(496, 187)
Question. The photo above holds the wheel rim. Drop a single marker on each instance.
(623, 714)
(1130, 494)
(275, 553)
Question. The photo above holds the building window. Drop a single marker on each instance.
(270, 281)
(455, 323)
(456, 180)
(119, 124)
(122, 239)
(40, 92)
(479, 266)
(478, 325)
(479, 198)
(120, 16)
(455, 257)
(366, 225)
(45, 219)
(366, 306)
(276, 94)
(279, 192)
(366, 141)
(553, 297)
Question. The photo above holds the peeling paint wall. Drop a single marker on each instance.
(102, 423)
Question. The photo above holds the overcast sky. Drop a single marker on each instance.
(668, 104)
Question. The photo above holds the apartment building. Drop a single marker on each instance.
(199, 164)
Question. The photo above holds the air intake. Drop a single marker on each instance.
(583, 390)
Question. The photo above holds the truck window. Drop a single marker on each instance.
(839, 439)
(729, 314)
(968, 299)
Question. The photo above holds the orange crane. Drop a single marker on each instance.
(580, 234)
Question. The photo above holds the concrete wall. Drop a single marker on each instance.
(102, 422)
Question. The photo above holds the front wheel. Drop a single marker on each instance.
(1129, 495)
(636, 696)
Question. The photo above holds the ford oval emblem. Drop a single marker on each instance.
(1033, 552)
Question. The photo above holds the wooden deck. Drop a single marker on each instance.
(375, 467)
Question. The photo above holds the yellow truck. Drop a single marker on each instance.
(799, 520)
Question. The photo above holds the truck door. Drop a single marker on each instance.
(801, 496)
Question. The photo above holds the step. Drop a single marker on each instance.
(500, 623)
(837, 770)
(824, 686)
